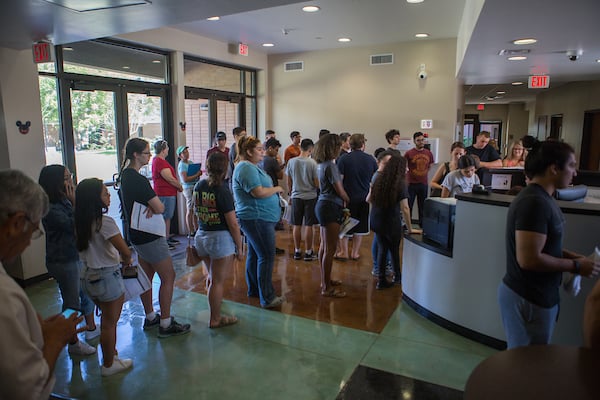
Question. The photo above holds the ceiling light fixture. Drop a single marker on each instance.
(517, 58)
(213, 18)
(310, 9)
(598, 60)
(126, 67)
(501, 92)
(155, 61)
(524, 41)
(422, 35)
(344, 40)
(414, 1)
(268, 45)
(67, 48)
(516, 83)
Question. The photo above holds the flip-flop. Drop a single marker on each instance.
(224, 321)
(334, 282)
(334, 293)
(355, 258)
(340, 258)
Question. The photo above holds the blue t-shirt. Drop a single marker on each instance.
(328, 175)
(181, 168)
(246, 177)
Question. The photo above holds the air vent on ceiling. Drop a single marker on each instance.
(514, 52)
(382, 59)
(293, 66)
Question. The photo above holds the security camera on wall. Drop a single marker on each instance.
(422, 73)
(573, 55)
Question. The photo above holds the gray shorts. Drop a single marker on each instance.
(103, 284)
(154, 251)
(188, 193)
(215, 244)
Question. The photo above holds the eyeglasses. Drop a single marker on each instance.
(37, 232)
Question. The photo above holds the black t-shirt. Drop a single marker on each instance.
(487, 154)
(136, 187)
(272, 168)
(212, 205)
(533, 210)
(386, 219)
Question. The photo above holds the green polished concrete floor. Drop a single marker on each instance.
(267, 355)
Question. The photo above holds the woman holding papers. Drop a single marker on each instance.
(389, 204)
(218, 237)
(152, 249)
(101, 248)
(329, 208)
(257, 207)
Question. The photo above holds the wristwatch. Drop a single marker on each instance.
(576, 267)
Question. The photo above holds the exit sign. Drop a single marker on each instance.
(43, 52)
(243, 49)
(539, 82)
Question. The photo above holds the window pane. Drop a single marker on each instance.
(94, 134)
(50, 120)
(145, 120)
(197, 129)
(208, 76)
(250, 83)
(46, 67)
(102, 59)
(250, 116)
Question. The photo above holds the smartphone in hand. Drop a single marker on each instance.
(69, 311)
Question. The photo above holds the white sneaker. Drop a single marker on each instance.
(118, 365)
(81, 348)
(89, 335)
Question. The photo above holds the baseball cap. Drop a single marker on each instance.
(181, 149)
(221, 136)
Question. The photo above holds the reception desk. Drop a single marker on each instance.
(457, 288)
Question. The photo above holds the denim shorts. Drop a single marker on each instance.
(103, 284)
(215, 244)
(169, 202)
(154, 251)
(328, 212)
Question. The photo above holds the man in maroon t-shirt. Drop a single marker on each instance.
(419, 159)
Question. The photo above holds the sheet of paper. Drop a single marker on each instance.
(348, 224)
(139, 221)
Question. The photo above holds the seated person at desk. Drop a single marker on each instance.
(457, 150)
(461, 180)
(488, 156)
(516, 155)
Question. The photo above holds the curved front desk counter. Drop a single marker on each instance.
(457, 289)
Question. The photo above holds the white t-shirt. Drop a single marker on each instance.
(456, 182)
(101, 253)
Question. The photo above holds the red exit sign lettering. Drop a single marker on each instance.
(539, 82)
(43, 52)
(243, 49)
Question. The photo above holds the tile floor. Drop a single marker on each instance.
(267, 355)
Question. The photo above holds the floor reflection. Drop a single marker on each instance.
(364, 307)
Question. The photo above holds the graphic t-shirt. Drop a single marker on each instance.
(211, 206)
(418, 162)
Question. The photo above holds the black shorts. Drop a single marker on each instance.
(360, 211)
(328, 212)
(304, 210)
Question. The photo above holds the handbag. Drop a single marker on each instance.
(135, 286)
(191, 255)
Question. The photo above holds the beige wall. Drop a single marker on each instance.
(20, 101)
(570, 100)
(339, 90)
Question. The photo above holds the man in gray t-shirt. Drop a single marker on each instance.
(303, 183)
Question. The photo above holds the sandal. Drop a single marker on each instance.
(334, 282)
(340, 258)
(224, 321)
(334, 293)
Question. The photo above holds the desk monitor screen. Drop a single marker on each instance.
(502, 179)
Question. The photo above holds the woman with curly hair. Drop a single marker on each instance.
(389, 207)
(329, 209)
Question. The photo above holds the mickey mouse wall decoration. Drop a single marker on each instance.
(24, 127)
(182, 126)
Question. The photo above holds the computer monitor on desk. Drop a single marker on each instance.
(501, 180)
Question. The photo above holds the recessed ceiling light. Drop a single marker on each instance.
(516, 83)
(67, 48)
(311, 8)
(414, 1)
(126, 67)
(517, 58)
(155, 61)
(344, 40)
(501, 92)
(422, 35)
(525, 41)
(268, 45)
(213, 18)
(598, 60)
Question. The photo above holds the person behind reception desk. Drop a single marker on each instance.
(457, 150)
(488, 156)
(528, 294)
(516, 155)
(461, 180)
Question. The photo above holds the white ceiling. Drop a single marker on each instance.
(558, 25)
